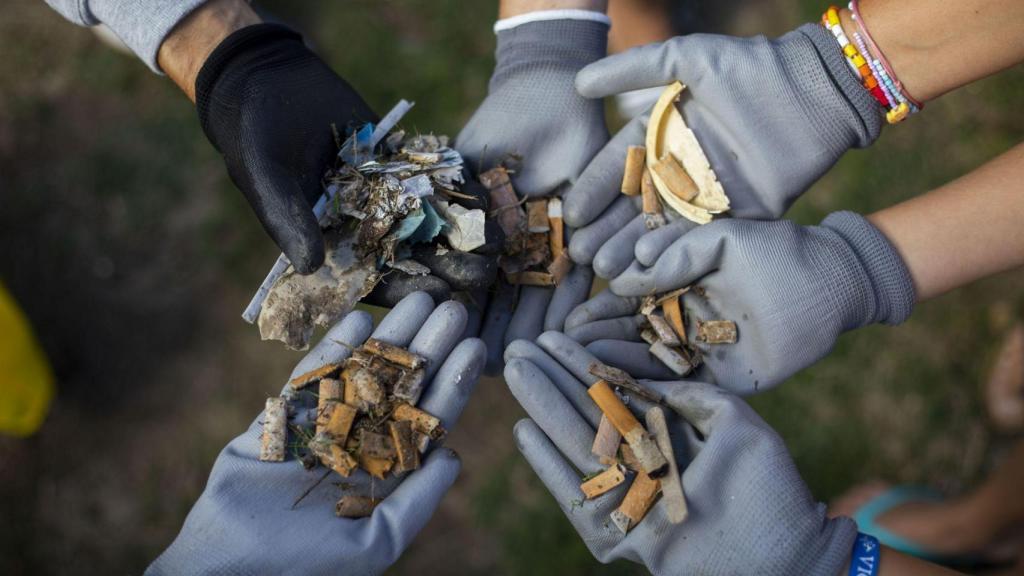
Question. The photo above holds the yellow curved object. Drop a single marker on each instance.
(26, 380)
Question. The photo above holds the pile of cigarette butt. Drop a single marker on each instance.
(664, 328)
(671, 171)
(627, 448)
(390, 193)
(366, 418)
(534, 252)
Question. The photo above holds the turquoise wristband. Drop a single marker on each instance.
(865, 558)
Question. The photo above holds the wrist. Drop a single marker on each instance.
(511, 8)
(185, 50)
(892, 289)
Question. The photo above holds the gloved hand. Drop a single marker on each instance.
(533, 110)
(771, 115)
(749, 510)
(792, 290)
(245, 522)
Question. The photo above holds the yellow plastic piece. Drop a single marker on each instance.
(897, 114)
(26, 380)
(832, 15)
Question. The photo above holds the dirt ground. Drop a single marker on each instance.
(133, 256)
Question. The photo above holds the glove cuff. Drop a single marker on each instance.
(862, 114)
(890, 279)
(565, 46)
(242, 47)
(836, 547)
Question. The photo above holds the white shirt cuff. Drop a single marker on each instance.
(544, 15)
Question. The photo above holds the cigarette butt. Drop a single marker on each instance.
(716, 331)
(504, 203)
(675, 178)
(351, 506)
(537, 216)
(634, 171)
(644, 448)
(674, 313)
(395, 354)
(619, 377)
(671, 485)
(671, 358)
(422, 442)
(606, 442)
(530, 278)
(627, 458)
(303, 380)
(557, 235)
(335, 458)
(362, 387)
(647, 305)
(275, 430)
(603, 482)
(649, 336)
(422, 422)
(339, 424)
(375, 446)
(653, 216)
(639, 499)
(402, 437)
(376, 467)
(664, 330)
(410, 385)
(327, 396)
(560, 268)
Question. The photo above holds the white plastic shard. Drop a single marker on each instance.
(668, 134)
(389, 121)
(465, 230)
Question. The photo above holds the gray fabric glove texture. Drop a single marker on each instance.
(771, 115)
(140, 24)
(749, 510)
(792, 290)
(244, 522)
(533, 110)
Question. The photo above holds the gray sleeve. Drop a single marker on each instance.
(141, 24)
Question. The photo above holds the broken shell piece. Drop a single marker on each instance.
(716, 331)
(351, 506)
(641, 496)
(275, 430)
(672, 358)
(603, 482)
(633, 173)
(644, 448)
(325, 371)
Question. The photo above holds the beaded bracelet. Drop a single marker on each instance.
(874, 76)
(880, 56)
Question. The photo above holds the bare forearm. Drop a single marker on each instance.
(966, 230)
(935, 47)
(186, 48)
(509, 8)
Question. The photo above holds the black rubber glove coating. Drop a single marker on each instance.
(267, 103)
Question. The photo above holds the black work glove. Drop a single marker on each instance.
(267, 103)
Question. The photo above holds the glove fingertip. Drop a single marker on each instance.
(305, 251)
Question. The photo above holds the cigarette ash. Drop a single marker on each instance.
(366, 419)
(389, 194)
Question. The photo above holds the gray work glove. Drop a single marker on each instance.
(792, 290)
(245, 522)
(749, 510)
(771, 115)
(533, 110)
